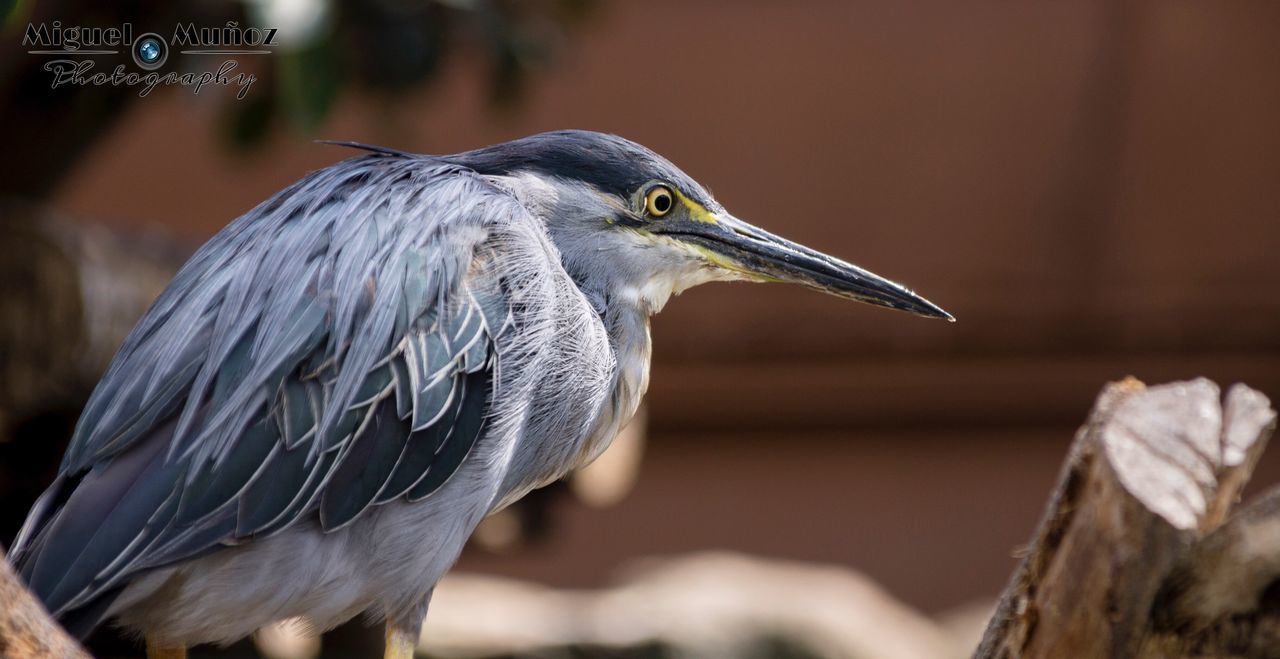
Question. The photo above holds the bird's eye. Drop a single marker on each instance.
(658, 201)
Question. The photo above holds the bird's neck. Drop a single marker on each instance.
(628, 329)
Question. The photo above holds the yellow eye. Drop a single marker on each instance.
(658, 201)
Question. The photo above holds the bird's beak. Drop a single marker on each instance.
(736, 245)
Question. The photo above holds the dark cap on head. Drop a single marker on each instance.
(609, 163)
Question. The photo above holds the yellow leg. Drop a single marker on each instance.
(400, 643)
(158, 650)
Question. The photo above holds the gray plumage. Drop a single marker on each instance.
(315, 414)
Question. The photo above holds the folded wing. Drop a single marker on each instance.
(332, 350)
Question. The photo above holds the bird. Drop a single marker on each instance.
(335, 389)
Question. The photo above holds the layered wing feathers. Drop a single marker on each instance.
(331, 350)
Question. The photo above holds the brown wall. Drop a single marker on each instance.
(1090, 187)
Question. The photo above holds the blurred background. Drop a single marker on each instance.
(1092, 188)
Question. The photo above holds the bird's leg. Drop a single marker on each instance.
(159, 650)
(401, 642)
(403, 631)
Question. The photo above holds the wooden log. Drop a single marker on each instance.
(1138, 535)
(26, 631)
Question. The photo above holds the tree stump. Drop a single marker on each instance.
(1137, 554)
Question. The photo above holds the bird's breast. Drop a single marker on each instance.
(585, 390)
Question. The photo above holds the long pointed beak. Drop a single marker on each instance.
(757, 252)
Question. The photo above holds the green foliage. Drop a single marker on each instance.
(307, 81)
(390, 48)
(8, 12)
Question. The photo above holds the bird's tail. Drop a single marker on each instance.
(79, 622)
(37, 520)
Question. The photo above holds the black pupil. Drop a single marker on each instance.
(662, 202)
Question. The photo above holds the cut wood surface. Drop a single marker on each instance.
(1138, 554)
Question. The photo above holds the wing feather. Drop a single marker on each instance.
(462, 436)
(364, 469)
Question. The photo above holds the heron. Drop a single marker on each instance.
(336, 389)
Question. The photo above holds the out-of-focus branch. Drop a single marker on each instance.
(702, 605)
(70, 293)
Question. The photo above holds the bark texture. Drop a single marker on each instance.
(26, 631)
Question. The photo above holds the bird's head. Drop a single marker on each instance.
(631, 225)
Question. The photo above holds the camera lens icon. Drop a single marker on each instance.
(150, 51)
